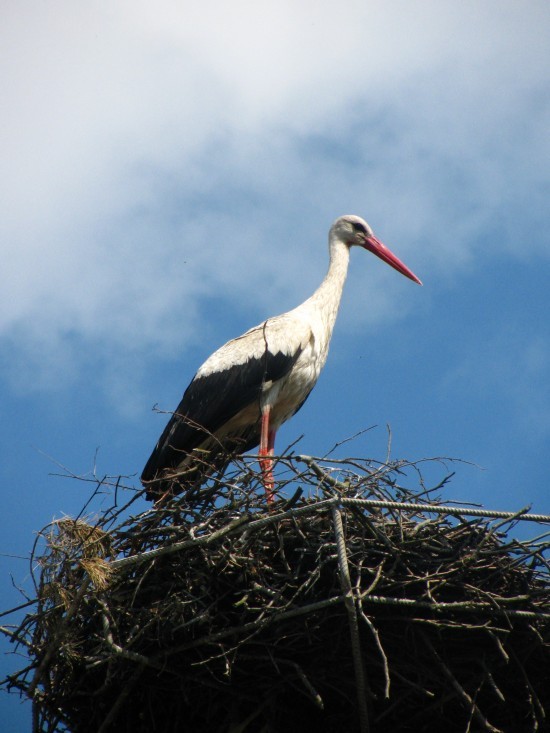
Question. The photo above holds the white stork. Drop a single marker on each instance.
(250, 386)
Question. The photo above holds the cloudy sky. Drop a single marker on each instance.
(169, 174)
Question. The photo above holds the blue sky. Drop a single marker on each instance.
(169, 175)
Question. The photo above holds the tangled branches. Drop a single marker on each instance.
(357, 604)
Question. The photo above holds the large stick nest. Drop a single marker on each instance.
(212, 613)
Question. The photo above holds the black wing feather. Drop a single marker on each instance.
(209, 402)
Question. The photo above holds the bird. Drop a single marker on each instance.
(251, 385)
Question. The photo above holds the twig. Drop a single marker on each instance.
(253, 625)
(463, 695)
(54, 641)
(385, 664)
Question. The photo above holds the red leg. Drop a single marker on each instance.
(267, 445)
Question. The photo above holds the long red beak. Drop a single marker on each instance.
(380, 250)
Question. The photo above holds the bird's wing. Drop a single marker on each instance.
(229, 381)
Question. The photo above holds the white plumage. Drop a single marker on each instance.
(246, 389)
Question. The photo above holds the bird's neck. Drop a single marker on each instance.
(329, 293)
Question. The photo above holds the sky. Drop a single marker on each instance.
(169, 175)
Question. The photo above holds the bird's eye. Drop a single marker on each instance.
(358, 227)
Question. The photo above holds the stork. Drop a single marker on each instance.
(251, 385)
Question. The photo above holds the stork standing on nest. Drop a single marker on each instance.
(250, 386)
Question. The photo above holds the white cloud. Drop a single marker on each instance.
(147, 149)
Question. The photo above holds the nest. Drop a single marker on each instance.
(355, 605)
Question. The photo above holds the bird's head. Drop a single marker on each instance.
(354, 231)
